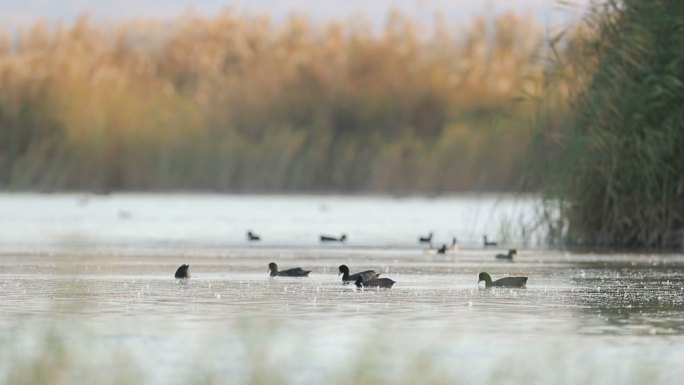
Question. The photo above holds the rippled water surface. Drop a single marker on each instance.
(96, 274)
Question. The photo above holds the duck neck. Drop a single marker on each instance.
(488, 280)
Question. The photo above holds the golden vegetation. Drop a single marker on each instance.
(238, 103)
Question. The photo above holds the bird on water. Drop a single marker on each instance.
(252, 237)
(513, 282)
(328, 238)
(511, 253)
(385, 283)
(365, 275)
(295, 272)
(445, 248)
(488, 243)
(427, 239)
(182, 272)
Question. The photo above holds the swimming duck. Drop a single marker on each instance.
(488, 243)
(364, 275)
(296, 272)
(427, 239)
(252, 237)
(378, 282)
(327, 238)
(519, 282)
(182, 272)
(444, 248)
(511, 253)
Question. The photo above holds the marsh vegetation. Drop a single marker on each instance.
(239, 103)
(617, 164)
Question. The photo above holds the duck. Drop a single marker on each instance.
(295, 272)
(444, 248)
(427, 239)
(514, 282)
(365, 275)
(488, 243)
(328, 238)
(252, 237)
(182, 272)
(510, 255)
(385, 283)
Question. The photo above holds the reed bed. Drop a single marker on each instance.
(235, 102)
(618, 160)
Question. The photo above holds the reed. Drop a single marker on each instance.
(619, 172)
(238, 103)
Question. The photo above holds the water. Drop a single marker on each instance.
(153, 221)
(90, 279)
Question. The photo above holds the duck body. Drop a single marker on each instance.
(510, 255)
(385, 283)
(295, 272)
(252, 237)
(427, 239)
(511, 282)
(182, 272)
(487, 242)
(328, 238)
(364, 275)
(445, 248)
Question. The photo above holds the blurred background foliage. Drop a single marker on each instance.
(238, 103)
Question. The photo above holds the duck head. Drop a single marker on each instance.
(182, 272)
(484, 277)
(273, 268)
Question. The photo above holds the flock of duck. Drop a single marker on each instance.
(370, 278)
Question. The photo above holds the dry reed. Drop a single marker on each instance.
(238, 103)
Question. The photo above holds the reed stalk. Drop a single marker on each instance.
(619, 168)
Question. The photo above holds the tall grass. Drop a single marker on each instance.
(238, 103)
(620, 168)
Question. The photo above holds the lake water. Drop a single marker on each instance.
(88, 295)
